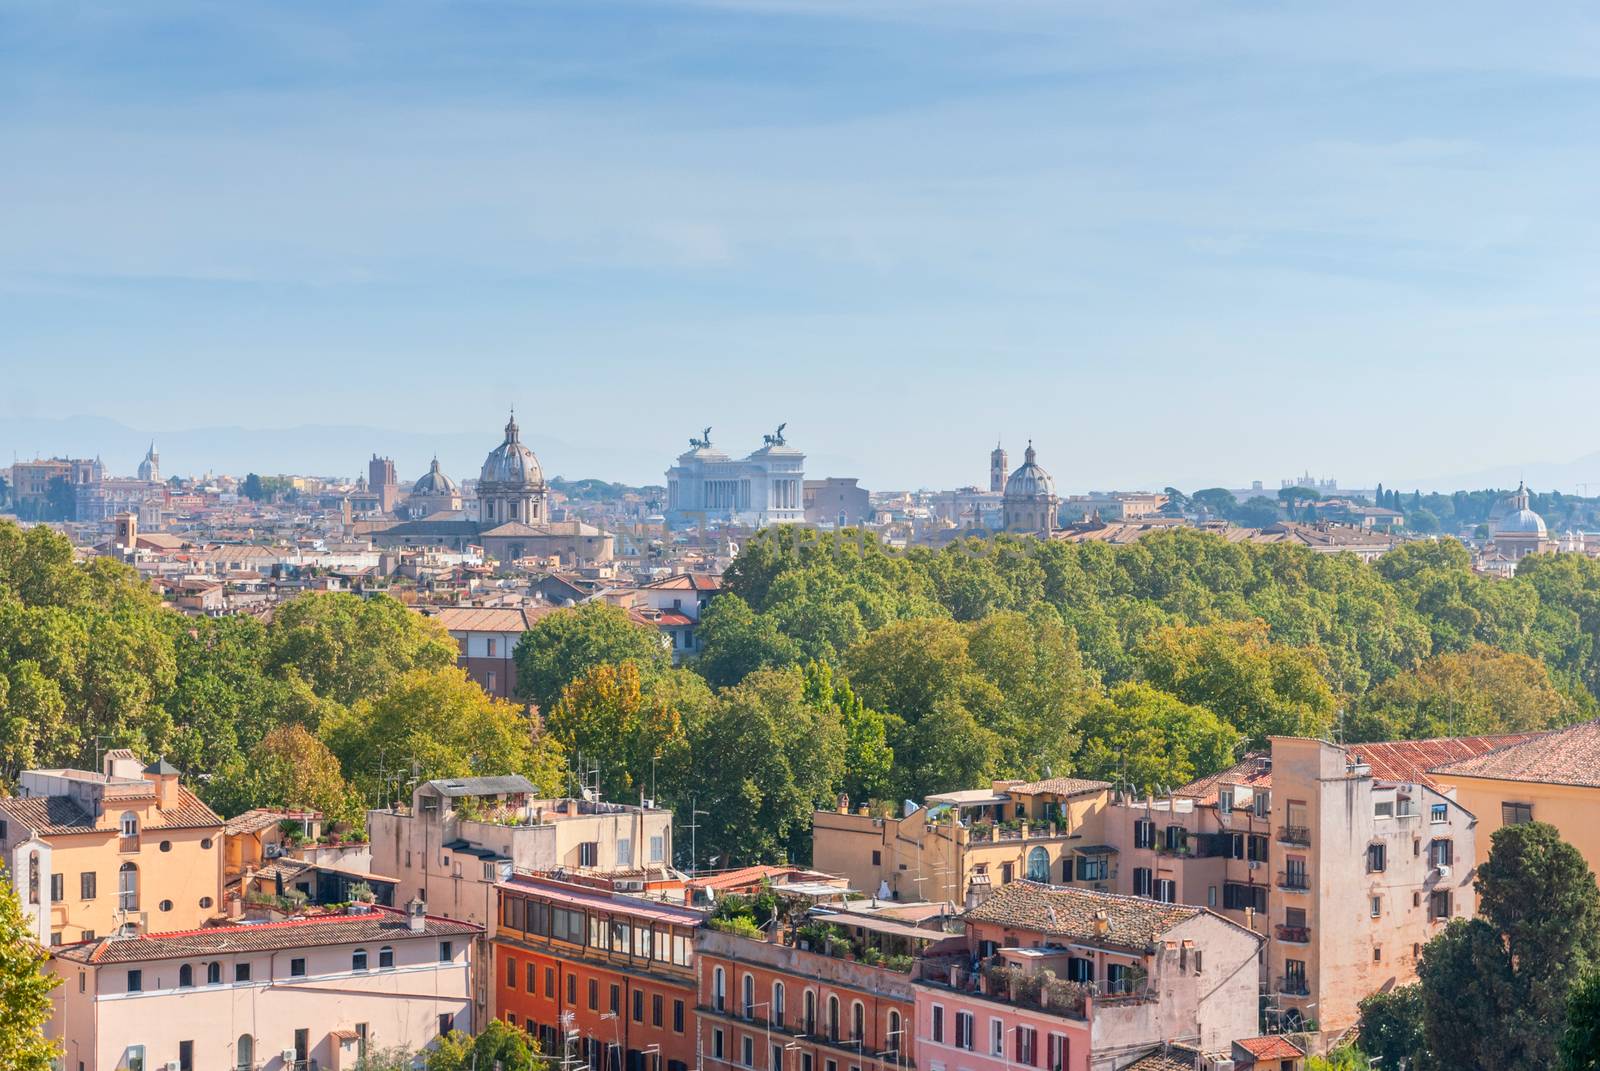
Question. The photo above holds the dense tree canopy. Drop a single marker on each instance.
(561, 647)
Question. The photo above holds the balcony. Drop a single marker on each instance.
(1293, 985)
(1296, 835)
(1294, 879)
(1299, 935)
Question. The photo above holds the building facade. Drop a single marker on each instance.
(315, 992)
(707, 486)
(487, 638)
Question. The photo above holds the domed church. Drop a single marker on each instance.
(513, 512)
(1520, 531)
(1029, 504)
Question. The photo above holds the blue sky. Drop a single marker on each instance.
(1172, 243)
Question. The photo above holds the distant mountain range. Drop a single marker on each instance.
(1580, 476)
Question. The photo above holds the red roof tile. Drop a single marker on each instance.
(1270, 1047)
(1565, 757)
(1410, 760)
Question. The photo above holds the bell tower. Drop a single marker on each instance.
(997, 469)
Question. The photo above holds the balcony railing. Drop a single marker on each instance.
(1293, 879)
(1293, 985)
(1299, 935)
(1300, 835)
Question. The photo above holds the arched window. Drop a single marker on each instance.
(748, 996)
(358, 960)
(719, 990)
(858, 1021)
(130, 824)
(833, 1018)
(1039, 865)
(33, 877)
(185, 976)
(810, 1024)
(891, 1041)
(245, 1052)
(777, 1010)
(385, 957)
(213, 974)
(128, 888)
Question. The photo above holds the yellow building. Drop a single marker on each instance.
(1554, 778)
(125, 850)
(960, 846)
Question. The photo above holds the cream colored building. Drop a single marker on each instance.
(1553, 777)
(128, 849)
(960, 846)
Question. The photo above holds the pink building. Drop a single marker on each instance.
(306, 994)
(1068, 979)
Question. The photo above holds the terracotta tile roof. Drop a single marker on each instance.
(489, 618)
(263, 818)
(686, 582)
(1271, 1047)
(378, 925)
(48, 814)
(1565, 757)
(1063, 911)
(1060, 786)
(1410, 760)
(1167, 1058)
(1254, 770)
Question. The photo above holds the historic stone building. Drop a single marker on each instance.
(150, 467)
(1521, 531)
(1030, 503)
(433, 493)
(767, 487)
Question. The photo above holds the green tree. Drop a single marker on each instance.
(25, 987)
(442, 721)
(251, 488)
(288, 767)
(1495, 988)
(561, 646)
(1391, 1028)
(349, 648)
(868, 757)
(1475, 692)
(1261, 688)
(765, 762)
(1152, 740)
(628, 726)
(736, 641)
(1580, 1045)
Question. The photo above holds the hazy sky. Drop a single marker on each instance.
(1172, 243)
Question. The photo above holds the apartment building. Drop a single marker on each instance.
(960, 846)
(784, 1004)
(307, 994)
(1551, 777)
(1070, 979)
(126, 849)
(487, 637)
(460, 837)
(599, 976)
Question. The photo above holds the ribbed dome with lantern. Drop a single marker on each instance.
(511, 486)
(1029, 503)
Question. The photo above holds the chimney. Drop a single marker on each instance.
(162, 774)
(416, 915)
(1102, 924)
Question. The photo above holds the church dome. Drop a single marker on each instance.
(435, 483)
(1520, 520)
(511, 464)
(1030, 481)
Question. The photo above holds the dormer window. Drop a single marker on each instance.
(130, 824)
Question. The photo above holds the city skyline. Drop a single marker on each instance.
(899, 226)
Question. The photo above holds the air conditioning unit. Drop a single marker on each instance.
(287, 1056)
(273, 851)
(1444, 871)
(173, 1065)
(1255, 864)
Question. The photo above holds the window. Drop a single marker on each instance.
(205, 844)
(244, 1052)
(1257, 847)
(833, 1018)
(447, 1022)
(205, 902)
(1224, 802)
(1516, 814)
(1080, 969)
(1263, 804)
(858, 1022)
(166, 846)
(747, 1050)
(891, 1040)
(241, 972)
(1177, 838)
(1377, 906)
(1093, 868)
(1039, 865)
(165, 905)
(1440, 853)
(447, 952)
(358, 960)
(572, 989)
(185, 977)
(1117, 978)
(594, 995)
(997, 1037)
(677, 1016)
(776, 1010)
(1439, 904)
(1383, 809)
(719, 993)
(130, 824)
(1005, 873)
(614, 1004)
(1027, 1046)
(128, 887)
(492, 646)
(810, 1024)
(213, 974)
(638, 1005)
(58, 888)
(936, 1026)
(1144, 833)
(1377, 954)
(658, 848)
(589, 853)
(1439, 812)
(511, 972)
(86, 885)
(747, 998)
(386, 958)
(1211, 896)
(1143, 879)
(1376, 861)
(549, 982)
(656, 1004)
(877, 857)
(136, 981)
(716, 1043)
(1166, 890)
(1057, 1053)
